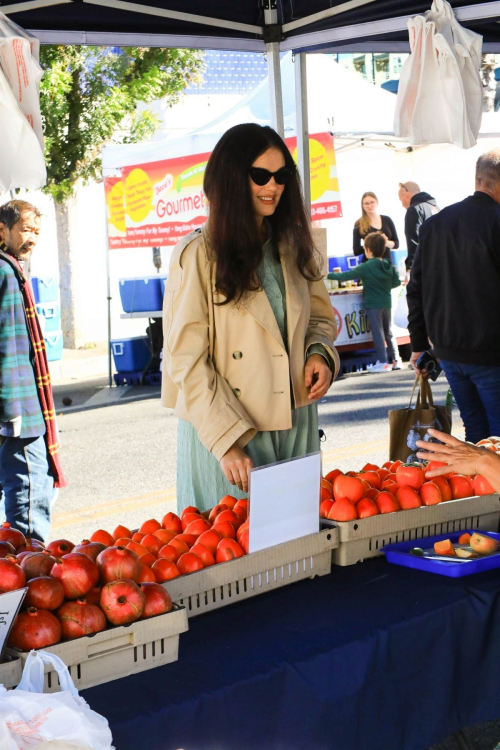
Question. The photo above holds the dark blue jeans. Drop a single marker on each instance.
(476, 389)
(28, 486)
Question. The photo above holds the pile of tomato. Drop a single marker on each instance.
(112, 578)
(392, 487)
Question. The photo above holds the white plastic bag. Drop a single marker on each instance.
(440, 90)
(401, 310)
(21, 157)
(30, 718)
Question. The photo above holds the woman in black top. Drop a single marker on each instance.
(372, 221)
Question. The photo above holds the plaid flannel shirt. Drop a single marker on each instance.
(18, 391)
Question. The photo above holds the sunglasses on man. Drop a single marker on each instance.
(263, 176)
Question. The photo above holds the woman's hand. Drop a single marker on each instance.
(236, 464)
(463, 458)
(388, 243)
(318, 376)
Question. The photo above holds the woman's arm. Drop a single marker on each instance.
(461, 457)
(357, 244)
(389, 229)
(322, 328)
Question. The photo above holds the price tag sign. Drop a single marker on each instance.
(10, 604)
(284, 500)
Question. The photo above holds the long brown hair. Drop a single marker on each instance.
(232, 229)
(363, 222)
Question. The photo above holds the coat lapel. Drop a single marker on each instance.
(257, 304)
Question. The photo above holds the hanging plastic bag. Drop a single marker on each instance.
(401, 310)
(30, 718)
(440, 91)
(21, 158)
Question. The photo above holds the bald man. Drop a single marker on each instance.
(453, 296)
(419, 207)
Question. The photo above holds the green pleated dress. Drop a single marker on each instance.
(200, 480)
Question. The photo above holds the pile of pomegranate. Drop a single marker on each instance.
(112, 579)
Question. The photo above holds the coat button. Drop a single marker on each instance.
(237, 392)
(237, 355)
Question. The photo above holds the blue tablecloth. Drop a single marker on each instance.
(371, 657)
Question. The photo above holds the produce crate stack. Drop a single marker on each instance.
(48, 307)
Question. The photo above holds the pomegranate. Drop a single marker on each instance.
(32, 545)
(44, 593)
(11, 575)
(91, 549)
(8, 534)
(79, 618)
(35, 628)
(158, 600)
(122, 602)
(21, 555)
(77, 573)
(60, 547)
(94, 595)
(6, 548)
(118, 563)
(37, 564)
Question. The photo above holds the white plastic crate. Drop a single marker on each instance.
(117, 652)
(365, 537)
(226, 583)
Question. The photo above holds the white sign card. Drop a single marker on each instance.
(284, 501)
(10, 604)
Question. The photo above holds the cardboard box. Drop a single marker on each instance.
(254, 574)
(365, 537)
(117, 652)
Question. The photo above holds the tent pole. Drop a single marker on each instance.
(302, 127)
(108, 293)
(273, 65)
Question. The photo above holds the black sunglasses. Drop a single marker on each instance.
(262, 176)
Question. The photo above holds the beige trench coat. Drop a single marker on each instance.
(225, 368)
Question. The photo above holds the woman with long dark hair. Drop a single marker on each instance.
(249, 328)
(371, 221)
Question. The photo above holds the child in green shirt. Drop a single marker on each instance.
(379, 276)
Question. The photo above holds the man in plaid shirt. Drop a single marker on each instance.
(25, 476)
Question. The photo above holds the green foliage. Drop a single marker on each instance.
(89, 98)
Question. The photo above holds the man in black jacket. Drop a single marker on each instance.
(453, 298)
(419, 207)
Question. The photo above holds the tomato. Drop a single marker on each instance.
(197, 527)
(225, 529)
(464, 538)
(481, 486)
(148, 559)
(388, 478)
(122, 542)
(387, 503)
(137, 548)
(137, 536)
(149, 526)
(190, 509)
(122, 531)
(324, 507)
(410, 476)
(435, 465)
(179, 545)
(444, 487)
(189, 563)
(241, 512)
(146, 575)
(243, 503)
(164, 570)
(228, 515)
(351, 488)
(243, 539)
(395, 465)
(104, 537)
(461, 486)
(210, 539)
(204, 554)
(171, 522)
(188, 538)
(325, 494)
(216, 510)
(162, 535)
(408, 498)
(241, 530)
(383, 473)
(229, 500)
(326, 484)
(391, 487)
(343, 510)
(189, 518)
(169, 553)
(366, 508)
(430, 494)
(372, 494)
(370, 467)
(228, 549)
(332, 476)
(387, 465)
(372, 478)
(152, 544)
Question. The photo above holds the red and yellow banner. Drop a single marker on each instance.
(155, 204)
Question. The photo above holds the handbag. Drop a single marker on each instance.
(408, 425)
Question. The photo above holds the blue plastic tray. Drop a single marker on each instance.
(399, 554)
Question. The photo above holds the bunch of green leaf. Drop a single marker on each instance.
(89, 98)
